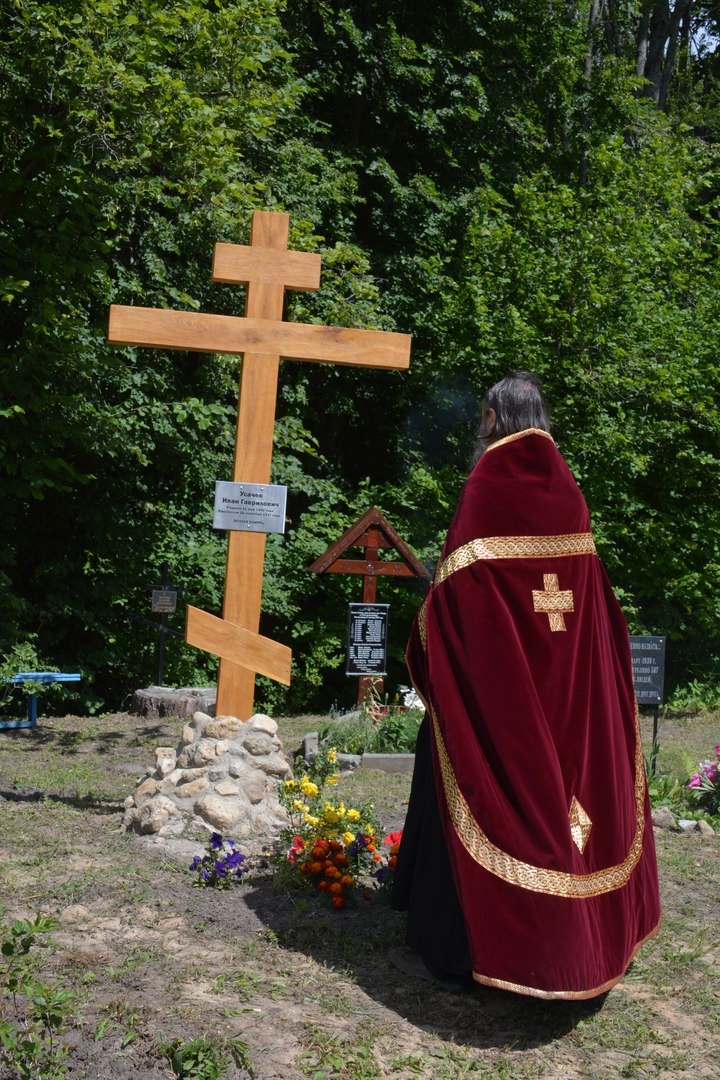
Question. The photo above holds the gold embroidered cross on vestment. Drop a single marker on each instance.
(553, 601)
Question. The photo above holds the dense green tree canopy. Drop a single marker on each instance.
(517, 185)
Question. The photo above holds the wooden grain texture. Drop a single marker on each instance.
(196, 331)
(258, 654)
(237, 264)
(253, 459)
(388, 568)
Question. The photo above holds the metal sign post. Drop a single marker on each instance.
(164, 602)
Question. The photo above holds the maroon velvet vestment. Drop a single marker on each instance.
(521, 655)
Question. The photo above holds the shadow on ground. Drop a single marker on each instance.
(357, 940)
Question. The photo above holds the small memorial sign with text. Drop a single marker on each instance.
(249, 507)
(648, 662)
(164, 600)
(367, 639)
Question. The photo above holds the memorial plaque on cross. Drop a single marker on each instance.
(267, 268)
(371, 532)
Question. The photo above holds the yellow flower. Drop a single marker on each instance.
(313, 821)
(353, 815)
(289, 785)
(332, 755)
(332, 780)
(300, 806)
(348, 837)
(308, 788)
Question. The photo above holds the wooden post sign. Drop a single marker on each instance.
(372, 531)
(267, 268)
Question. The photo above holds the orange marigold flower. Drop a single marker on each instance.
(338, 902)
(371, 847)
(315, 867)
(332, 872)
(341, 860)
(347, 881)
(303, 868)
(322, 886)
(392, 862)
(335, 845)
(377, 858)
(336, 888)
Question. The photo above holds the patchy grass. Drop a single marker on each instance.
(297, 990)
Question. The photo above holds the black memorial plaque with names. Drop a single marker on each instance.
(648, 661)
(367, 639)
(164, 600)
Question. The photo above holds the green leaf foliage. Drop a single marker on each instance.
(496, 180)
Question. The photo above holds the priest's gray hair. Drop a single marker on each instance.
(518, 403)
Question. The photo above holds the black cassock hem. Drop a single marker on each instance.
(423, 884)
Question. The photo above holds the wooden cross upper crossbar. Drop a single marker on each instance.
(371, 531)
(267, 268)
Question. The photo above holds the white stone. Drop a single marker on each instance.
(705, 828)
(257, 743)
(155, 813)
(255, 787)
(222, 813)
(223, 727)
(274, 765)
(145, 790)
(226, 787)
(165, 759)
(192, 788)
(687, 824)
(190, 774)
(223, 746)
(130, 801)
(238, 767)
(188, 735)
(202, 752)
(261, 722)
(174, 826)
(199, 718)
(663, 818)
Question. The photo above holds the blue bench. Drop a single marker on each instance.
(38, 677)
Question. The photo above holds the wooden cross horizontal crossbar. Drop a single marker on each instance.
(238, 645)
(198, 332)
(387, 568)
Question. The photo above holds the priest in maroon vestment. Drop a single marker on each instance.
(527, 861)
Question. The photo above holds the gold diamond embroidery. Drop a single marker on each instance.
(580, 825)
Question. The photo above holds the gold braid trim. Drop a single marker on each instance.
(422, 623)
(515, 547)
(526, 876)
(565, 995)
(519, 435)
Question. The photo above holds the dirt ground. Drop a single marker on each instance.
(308, 991)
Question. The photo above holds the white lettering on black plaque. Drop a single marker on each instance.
(648, 662)
(367, 639)
(164, 600)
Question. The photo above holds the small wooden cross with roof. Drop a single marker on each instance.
(267, 268)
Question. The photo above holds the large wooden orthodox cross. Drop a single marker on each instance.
(267, 268)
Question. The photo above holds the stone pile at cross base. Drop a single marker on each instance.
(224, 776)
